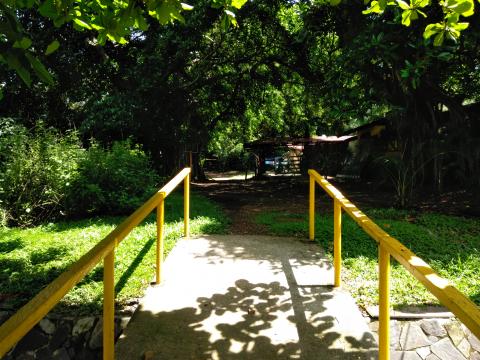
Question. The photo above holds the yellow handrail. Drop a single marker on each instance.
(462, 307)
(30, 314)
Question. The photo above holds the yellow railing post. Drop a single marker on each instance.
(311, 210)
(30, 314)
(384, 301)
(337, 242)
(186, 205)
(108, 306)
(160, 221)
(465, 309)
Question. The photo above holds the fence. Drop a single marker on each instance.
(449, 296)
(29, 315)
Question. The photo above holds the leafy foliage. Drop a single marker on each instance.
(290, 69)
(109, 20)
(45, 176)
(449, 28)
(36, 171)
(112, 181)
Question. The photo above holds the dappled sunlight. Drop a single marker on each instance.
(416, 261)
(438, 281)
(305, 257)
(251, 304)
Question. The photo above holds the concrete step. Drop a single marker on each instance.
(247, 297)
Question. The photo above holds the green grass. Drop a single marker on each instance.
(31, 258)
(451, 245)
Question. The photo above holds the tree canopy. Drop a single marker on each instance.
(291, 68)
(117, 21)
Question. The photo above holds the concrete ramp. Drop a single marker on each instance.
(247, 297)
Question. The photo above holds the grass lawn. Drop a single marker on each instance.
(451, 245)
(31, 258)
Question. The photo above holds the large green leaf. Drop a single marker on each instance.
(438, 40)
(24, 43)
(432, 29)
(82, 24)
(375, 7)
(403, 5)
(14, 63)
(465, 8)
(167, 12)
(461, 26)
(238, 3)
(52, 47)
(186, 7)
(48, 9)
(407, 16)
(39, 69)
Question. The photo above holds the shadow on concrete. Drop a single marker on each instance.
(278, 252)
(278, 319)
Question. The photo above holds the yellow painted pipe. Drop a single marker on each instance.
(30, 314)
(186, 206)
(160, 221)
(109, 306)
(461, 306)
(311, 210)
(384, 302)
(173, 183)
(337, 242)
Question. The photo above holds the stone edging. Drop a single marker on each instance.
(64, 338)
(430, 339)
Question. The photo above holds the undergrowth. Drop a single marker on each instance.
(31, 258)
(450, 244)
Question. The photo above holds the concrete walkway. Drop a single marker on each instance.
(247, 297)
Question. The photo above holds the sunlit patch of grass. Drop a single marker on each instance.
(450, 244)
(31, 258)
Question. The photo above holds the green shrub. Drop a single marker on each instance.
(36, 171)
(45, 175)
(112, 182)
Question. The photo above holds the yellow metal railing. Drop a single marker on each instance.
(29, 315)
(465, 310)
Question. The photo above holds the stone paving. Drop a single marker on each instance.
(431, 339)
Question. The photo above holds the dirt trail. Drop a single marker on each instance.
(242, 200)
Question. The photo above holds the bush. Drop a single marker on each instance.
(112, 182)
(36, 171)
(45, 175)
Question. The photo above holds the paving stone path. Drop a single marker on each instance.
(431, 339)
